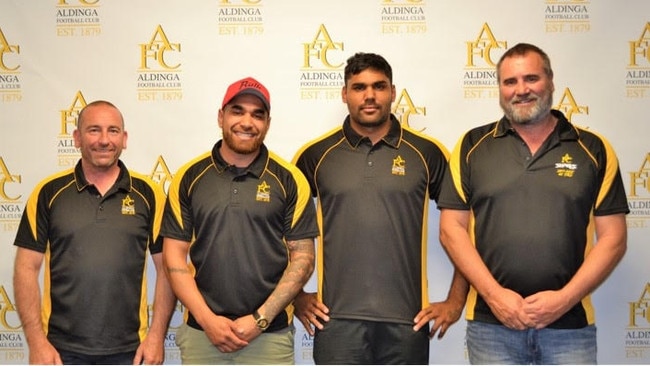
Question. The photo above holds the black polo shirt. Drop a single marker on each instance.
(373, 204)
(533, 214)
(237, 221)
(94, 299)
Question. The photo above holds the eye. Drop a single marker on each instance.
(380, 86)
(236, 111)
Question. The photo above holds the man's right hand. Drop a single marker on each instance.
(311, 312)
(222, 333)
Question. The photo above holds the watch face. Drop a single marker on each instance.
(262, 323)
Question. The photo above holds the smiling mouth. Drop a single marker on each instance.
(245, 135)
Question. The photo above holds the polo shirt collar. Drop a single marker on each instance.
(392, 138)
(123, 180)
(564, 128)
(256, 168)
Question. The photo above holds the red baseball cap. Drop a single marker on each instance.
(247, 86)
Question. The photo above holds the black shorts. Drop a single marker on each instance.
(344, 341)
(74, 358)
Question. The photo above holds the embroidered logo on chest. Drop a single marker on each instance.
(263, 192)
(566, 168)
(128, 206)
(399, 166)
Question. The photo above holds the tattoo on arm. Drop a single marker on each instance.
(177, 270)
(298, 272)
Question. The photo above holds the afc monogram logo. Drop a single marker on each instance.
(318, 50)
(569, 106)
(640, 178)
(68, 153)
(641, 308)
(638, 68)
(640, 47)
(404, 107)
(483, 46)
(155, 50)
(7, 306)
(7, 177)
(69, 116)
(6, 48)
(161, 173)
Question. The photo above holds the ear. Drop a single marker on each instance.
(344, 94)
(76, 135)
(393, 92)
(124, 139)
(220, 118)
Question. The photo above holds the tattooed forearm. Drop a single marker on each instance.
(300, 268)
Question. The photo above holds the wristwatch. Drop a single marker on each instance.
(261, 321)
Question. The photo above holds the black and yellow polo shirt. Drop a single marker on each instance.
(238, 222)
(373, 202)
(94, 299)
(532, 214)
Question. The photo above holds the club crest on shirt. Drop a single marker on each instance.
(566, 168)
(399, 166)
(128, 206)
(263, 192)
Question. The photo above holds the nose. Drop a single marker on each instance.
(522, 88)
(370, 93)
(246, 120)
(103, 137)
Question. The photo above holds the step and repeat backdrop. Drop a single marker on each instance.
(166, 64)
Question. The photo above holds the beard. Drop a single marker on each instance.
(527, 115)
(243, 147)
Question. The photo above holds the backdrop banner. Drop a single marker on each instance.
(166, 65)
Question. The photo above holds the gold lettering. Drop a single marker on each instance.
(156, 48)
(483, 46)
(7, 177)
(161, 173)
(640, 178)
(640, 308)
(5, 48)
(6, 306)
(319, 48)
(569, 106)
(404, 107)
(640, 47)
(69, 117)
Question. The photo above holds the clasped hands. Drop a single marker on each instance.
(535, 311)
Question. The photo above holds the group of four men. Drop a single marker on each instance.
(532, 217)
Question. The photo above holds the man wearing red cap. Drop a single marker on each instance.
(239, 228)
